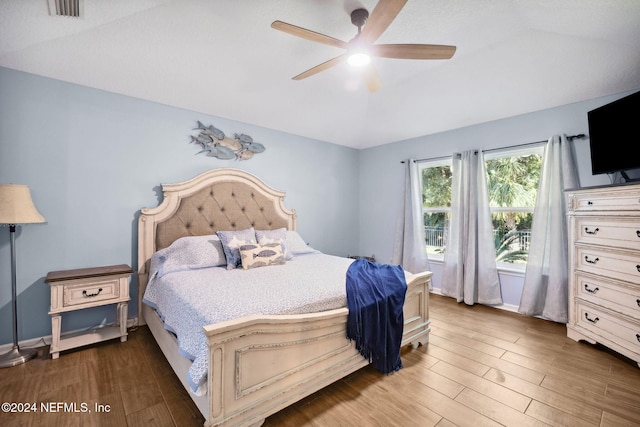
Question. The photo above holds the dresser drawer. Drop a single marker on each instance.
(97, 290)
(609, 199)
(616, 265)
(620, 330)
(608, 232)
(617, 297)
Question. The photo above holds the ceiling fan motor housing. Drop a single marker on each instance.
(359, 17)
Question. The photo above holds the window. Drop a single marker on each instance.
(512, 183)
(436, 204)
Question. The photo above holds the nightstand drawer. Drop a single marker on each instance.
(91, 293)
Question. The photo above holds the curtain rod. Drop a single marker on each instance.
(570, 137)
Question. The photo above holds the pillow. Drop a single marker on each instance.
(257, 255)
(297, 245)
(231, 242)
(188, 253)
(274, 236)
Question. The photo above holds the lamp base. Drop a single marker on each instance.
(17, 356)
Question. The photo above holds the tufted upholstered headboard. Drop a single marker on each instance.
(220, 199)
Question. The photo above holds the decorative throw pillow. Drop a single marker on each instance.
(188, 253)
(257, 255)
(231, 242)
(274, 236)
(297, 245)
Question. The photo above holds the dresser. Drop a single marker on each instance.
(73, 290)
(604, 262)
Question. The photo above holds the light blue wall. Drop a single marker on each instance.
(382, 174)
(92, 159)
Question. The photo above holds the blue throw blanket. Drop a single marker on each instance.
(375, 297)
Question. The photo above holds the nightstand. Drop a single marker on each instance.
(84, 288)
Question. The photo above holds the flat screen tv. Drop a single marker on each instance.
(614, 133)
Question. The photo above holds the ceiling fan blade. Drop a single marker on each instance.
(383, 14)
(371, 78)
(324, 66)
(413, 51)
(308, 34)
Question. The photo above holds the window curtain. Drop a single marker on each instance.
(409, 249)
(469, 271)
(545, 290)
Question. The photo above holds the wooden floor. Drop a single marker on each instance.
(483, 367)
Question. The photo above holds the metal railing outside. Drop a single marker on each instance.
(436, 237)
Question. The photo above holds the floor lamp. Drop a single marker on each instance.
(16, 207)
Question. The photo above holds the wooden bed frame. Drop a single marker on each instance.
(258, 365)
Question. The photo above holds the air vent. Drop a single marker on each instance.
(72, 8)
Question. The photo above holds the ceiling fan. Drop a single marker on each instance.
(361, 47)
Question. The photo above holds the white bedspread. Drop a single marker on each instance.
(189, 300)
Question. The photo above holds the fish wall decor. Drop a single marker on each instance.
(215, 143)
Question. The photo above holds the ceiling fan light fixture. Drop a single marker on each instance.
(359, 59)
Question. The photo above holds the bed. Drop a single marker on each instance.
(257, 364)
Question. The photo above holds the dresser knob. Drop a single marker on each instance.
(638, 268)
(589, 202)
(638, 233)
(594, 320)
(638, 337)
(586, 258)
(638, 302)
(586, 230)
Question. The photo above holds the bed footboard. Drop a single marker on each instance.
(259, 365)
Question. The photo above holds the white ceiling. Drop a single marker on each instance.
(222, 58)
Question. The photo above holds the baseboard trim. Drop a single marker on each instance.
(506, 307)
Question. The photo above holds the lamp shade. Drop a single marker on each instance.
(16, 206)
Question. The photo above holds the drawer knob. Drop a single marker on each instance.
(589, 202)
(586, 258)
(638, 337)
(595, 290)
(86, 295)
(586, 230)
(638, 302)
(638, 233)
(638, 267)
(594, 320)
